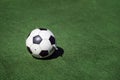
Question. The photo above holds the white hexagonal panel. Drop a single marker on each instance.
(46, 45)
(35, 49)
(44, 34)
(34, 32)
(50, 32)
(29, 41)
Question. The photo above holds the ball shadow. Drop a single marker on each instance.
(56, 54)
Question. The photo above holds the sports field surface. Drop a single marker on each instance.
(87, 30)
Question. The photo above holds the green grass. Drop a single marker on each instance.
(87, 30)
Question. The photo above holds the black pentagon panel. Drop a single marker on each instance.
(29, 50)
(52, 40)
(42, 28)
(43, 53)
(37, 39)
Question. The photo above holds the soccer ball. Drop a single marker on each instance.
(41, 43)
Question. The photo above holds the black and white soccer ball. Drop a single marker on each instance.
(41, 43)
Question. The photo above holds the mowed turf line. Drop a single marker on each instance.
(88, 31)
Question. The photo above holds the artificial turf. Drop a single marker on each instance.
(87, 30)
